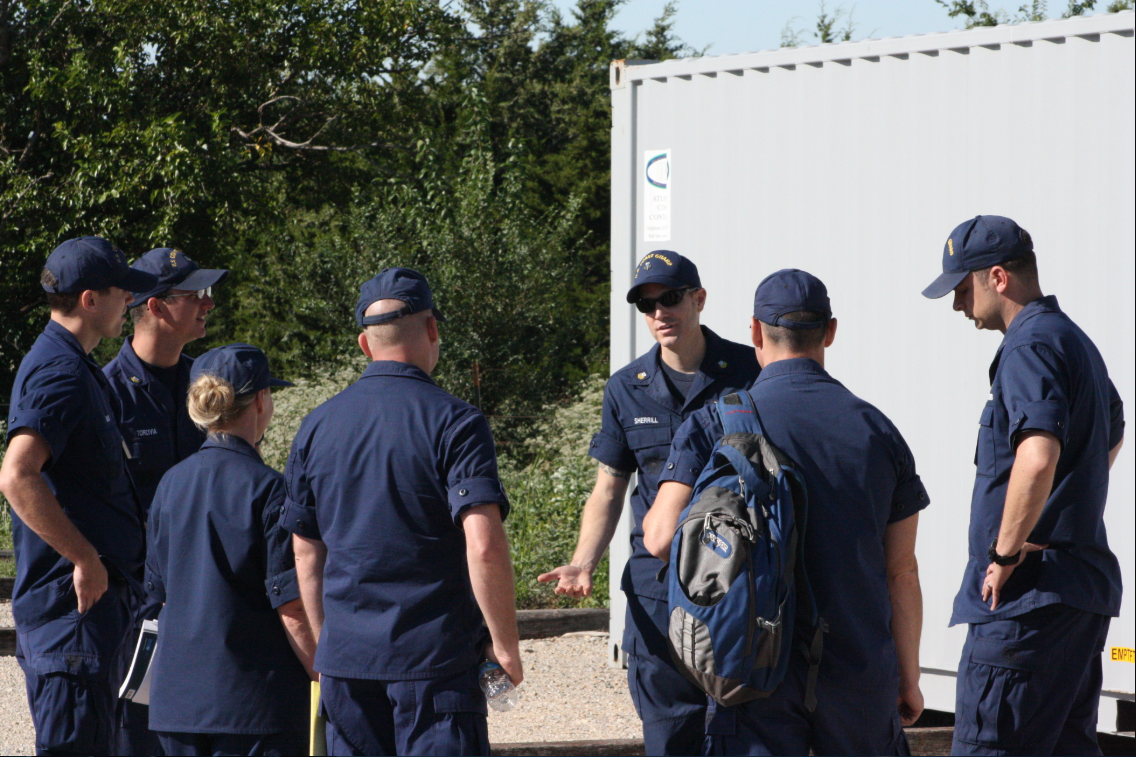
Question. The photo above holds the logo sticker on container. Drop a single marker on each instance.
(657, 196)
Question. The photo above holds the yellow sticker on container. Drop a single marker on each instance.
(1123, 654)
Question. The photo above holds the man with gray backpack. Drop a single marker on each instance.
(789, 515)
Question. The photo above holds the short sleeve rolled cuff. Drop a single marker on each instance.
(51, 405)
(1051, 416)
(683, 466)
(1116, 417)
(471, 492)
(300, 521)
(282, 588)
(612, 452)
(909, 498)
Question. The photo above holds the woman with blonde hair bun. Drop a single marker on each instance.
(235, 650)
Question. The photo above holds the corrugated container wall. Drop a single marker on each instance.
(854, 162)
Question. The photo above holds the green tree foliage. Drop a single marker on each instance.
(501, 271)
(827, 29)
(977, 12)
(255, 135)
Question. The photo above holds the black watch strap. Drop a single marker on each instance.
(998, 559)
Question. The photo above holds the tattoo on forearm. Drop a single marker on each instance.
(614, 472)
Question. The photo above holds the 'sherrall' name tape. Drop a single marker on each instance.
(1123, 654)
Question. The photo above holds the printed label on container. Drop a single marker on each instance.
(1123, 654)
(657, 196)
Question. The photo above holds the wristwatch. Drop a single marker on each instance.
(998, 559)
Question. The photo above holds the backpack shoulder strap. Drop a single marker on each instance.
(738, 414)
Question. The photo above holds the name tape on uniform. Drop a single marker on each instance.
(1123, 654)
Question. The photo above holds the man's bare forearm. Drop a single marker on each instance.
(298, 629)
(600, 517)
(662, 519)
(1031, 481)
(311, 555)
(906, 598)
(906, 623)
(1112, 453)
(491, 575)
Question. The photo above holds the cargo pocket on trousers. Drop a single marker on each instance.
(997, 693)
(461, 720)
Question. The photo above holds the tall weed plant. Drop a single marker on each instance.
(547, 490)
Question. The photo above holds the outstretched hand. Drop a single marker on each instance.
(571, 580)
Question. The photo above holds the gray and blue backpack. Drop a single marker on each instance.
(736, 581)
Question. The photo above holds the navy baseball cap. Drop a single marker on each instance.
(92, 263)
(979, 243)
(242, 365)
(174, 270)
(664, 267)
(790, 291)
(395, 284)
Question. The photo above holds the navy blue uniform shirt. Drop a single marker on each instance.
(154, 423)
(1048, 376)
(382, 473)
(220, 560)
(860, 478)
(61, 394)
(640, 418)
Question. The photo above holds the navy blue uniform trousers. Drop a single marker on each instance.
(673, 709)
(430, 716)
(846, 721)
(250, 744)
(1031, 684)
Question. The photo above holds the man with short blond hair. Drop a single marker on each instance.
(401, 556)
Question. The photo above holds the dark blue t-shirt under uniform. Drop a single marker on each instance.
(640, 417)
(220, 560)
(1047, 376)
(150, 408)
(382, 474)
(860, 477)
(61, 394)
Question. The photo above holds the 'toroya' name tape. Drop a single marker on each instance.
(1123, 654)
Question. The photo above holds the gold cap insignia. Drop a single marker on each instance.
(951, 246)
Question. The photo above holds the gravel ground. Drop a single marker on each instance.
(16, 733)
(569, 694)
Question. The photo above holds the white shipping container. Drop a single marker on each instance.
(854, 162)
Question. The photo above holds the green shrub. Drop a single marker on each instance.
(547, 495)
(292, 404)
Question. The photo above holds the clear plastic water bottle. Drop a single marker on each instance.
(499, 691)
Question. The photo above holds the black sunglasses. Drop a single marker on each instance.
(666, 299)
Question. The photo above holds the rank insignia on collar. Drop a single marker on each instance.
(722, 364)
(135, 379)
(642, 375)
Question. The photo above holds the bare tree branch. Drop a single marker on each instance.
(12, 205)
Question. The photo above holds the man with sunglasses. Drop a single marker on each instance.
(644, 405)
(149, 381)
